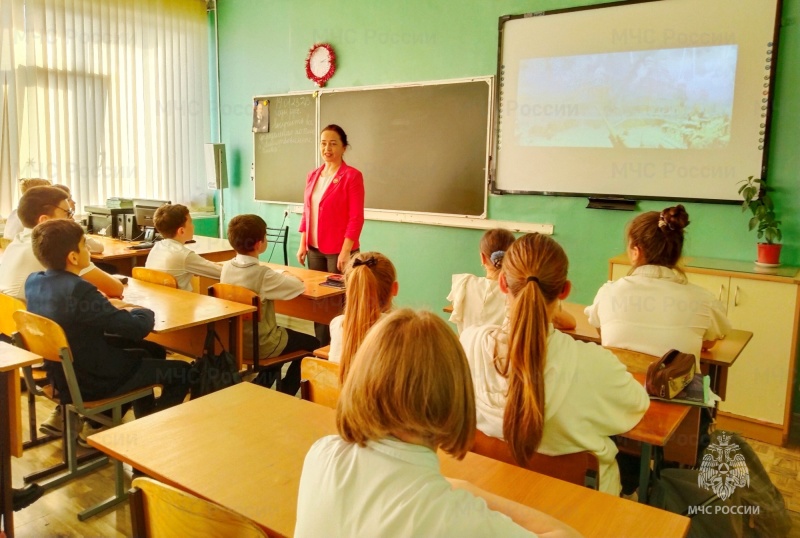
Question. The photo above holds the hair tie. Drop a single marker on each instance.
(533, 279)
(497, 258)
(662, 222)
(369, 262)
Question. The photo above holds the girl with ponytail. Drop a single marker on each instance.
(654, 308)
(538, 388)
(478, 300)
(370, 283)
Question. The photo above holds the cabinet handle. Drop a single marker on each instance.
(721, 289)
(736, 297)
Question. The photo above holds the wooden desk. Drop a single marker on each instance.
(182, 317)
(117, 253)
(323, 352)
(11, 360)
(317, 303)
(180, 445)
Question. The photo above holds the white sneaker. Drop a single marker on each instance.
(88, 430)
(54, 424)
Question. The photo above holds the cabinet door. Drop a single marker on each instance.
(758, 379)
(717, 285)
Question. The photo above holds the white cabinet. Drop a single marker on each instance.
(758, 401)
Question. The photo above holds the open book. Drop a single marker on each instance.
(698, 392)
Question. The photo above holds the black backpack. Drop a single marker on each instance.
(213, 371)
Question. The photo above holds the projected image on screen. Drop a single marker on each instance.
(680, 98)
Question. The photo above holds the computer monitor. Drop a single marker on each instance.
(144, 210)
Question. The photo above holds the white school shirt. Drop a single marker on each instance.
(337, 337)
(18, 264)
(174, 258)
(476, 300)
(13, 225)
(270, 285)
(654, 310)
(387, 488)
(589, 396)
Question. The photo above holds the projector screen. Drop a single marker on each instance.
(664, 99)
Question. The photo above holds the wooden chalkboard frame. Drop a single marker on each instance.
(479, 143)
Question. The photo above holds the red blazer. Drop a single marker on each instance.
(341, 209)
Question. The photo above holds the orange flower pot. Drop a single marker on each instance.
(769, 254)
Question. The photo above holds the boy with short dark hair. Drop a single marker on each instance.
(248, 237)
(37, 205)
(102, 370)
(170, 255)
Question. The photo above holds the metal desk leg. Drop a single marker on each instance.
(644, 471)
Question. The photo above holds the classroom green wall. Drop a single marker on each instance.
(263, 44)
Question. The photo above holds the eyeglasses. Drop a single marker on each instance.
(69, 212)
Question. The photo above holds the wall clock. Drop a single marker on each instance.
(320, 63)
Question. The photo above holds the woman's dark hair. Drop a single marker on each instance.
(659, 236)
(338, 130)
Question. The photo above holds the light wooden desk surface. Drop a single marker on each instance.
(312, 280)
(11, 360)
(318, 303)
(259, 438)
(181, 317)
(116, 248)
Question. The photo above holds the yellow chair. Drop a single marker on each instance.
(46, 338)
(162, 511)
(9, 305)
(154, 277)
(239, 294)
(319, 381)
(581, 468)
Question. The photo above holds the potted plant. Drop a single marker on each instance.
(755, 194)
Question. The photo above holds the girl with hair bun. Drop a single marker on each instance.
(370, 284)
(654, 308)
(538, 388)
(478, 300)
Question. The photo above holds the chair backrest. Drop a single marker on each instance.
(581, 468)
(154, 277)
(279, 235)
(239, 294)
(46, 338)
(9, 305)
(634, 361)
(319, 381)
(162, 511)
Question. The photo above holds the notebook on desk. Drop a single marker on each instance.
(698, 393)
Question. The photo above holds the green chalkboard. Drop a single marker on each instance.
(422, 148)
(284, 155)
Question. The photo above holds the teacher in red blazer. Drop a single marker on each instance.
(333, 209)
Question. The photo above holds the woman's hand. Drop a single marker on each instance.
(301, 253)
(342, 260)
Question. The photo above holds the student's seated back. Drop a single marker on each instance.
(538, 388)
(654, 308)
(170, 255)
(408, 394)
(38, 205)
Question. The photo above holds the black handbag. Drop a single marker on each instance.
(213, 371)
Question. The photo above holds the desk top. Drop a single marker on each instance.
(12, 357)
(178, 309)
(312, 279)
(115, 249)
(182, 445)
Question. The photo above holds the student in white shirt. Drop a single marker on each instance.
(13, 224)
(170, 254)
(94, 246)
(654, 308)
(370, 284)
(538, 388)
(248, 237)
(38, 205)
(408, 394)
(478, 300)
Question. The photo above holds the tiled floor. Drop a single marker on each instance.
(783, 466)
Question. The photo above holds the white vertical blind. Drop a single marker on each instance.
(109, 97)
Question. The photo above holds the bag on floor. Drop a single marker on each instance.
(730, 494)
(213, 371)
